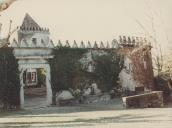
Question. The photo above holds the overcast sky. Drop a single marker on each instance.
(94, 19)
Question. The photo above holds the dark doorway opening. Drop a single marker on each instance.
(35, 87)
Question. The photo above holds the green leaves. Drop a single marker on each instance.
(9, 78)
(107, 70)
(65, 68)
(67, 72)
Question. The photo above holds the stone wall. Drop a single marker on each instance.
(146, 100)
(138, 69)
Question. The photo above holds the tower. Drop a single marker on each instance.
(31, 34)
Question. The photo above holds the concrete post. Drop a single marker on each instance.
(48, 85)
(21, 87)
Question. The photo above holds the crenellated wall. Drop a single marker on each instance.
(34, 45)
(122, 41)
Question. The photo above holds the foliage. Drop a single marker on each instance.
(41, 74)
(66, 70)
(164, 83)
(142, 70)
(9, 79)
(67, 73)
(107, 70)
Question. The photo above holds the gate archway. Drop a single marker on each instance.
(33, 50)
(25, 66)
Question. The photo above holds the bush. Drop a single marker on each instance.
(107, 70)
(66, 71)
(41, 77)
(9, 79)
(164, 85)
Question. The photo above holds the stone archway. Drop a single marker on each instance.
(33, 49)
(34, 58)
(26, 65)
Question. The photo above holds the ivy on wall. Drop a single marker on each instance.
(65, 68)
(143, 69)
(9, 79)
(107, 71)
(67, 72)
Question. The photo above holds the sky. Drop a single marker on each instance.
(100, 20)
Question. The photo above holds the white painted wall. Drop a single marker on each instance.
(25, 38)
(32, 56)
(126, 76)
(26, 52)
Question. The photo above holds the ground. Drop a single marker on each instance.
(103, 115)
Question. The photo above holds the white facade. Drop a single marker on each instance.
(33, 50)
(126, 76)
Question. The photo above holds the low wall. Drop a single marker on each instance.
(147, 100)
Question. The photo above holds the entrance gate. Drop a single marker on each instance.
(22, 68)
(33, 50)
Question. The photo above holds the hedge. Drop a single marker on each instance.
(9, 79)
(67, 72)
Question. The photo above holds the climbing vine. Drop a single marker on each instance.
(67, 72)
(107, 71)
(142, 69)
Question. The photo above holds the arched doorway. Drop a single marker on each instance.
(30, 93)
(35, 88)
(33, 49)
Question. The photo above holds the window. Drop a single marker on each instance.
(43, 43)
(30, 78)
(34, 40)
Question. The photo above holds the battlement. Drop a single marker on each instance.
(34, 29)
(85, 45)
(123, 41)
(29, 25)
(127, 41)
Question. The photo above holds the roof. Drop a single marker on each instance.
(28, 22)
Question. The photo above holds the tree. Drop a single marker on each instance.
(107, 71)
(151, 33)
(9, 80)
(66, 70)
(4, 4)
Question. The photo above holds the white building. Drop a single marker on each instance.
(33, 50)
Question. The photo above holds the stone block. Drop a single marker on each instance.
(146, 100)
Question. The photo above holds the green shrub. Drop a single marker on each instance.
(9, 79)
(66, 70)
(41, 77)
(107, 71)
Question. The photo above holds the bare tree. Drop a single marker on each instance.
(4, 4)
(152, 35)
(4, 42)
